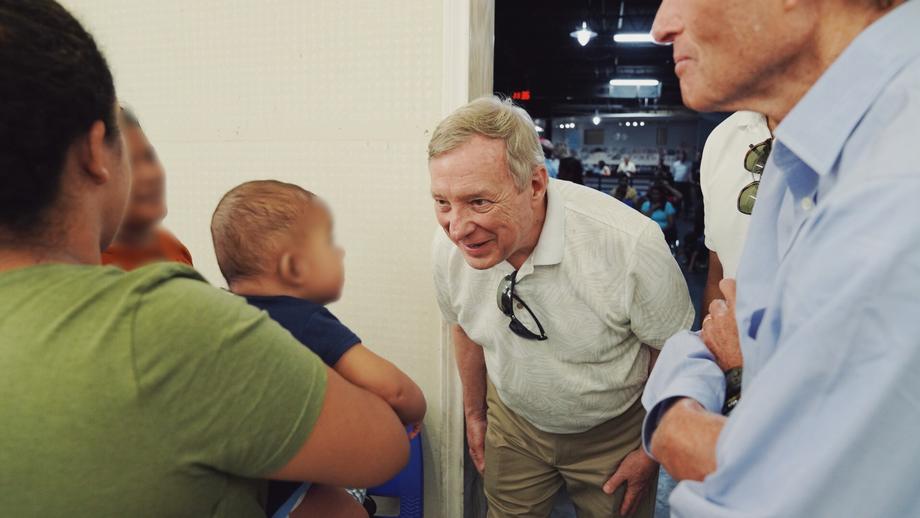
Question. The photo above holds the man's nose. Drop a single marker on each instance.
(460, 225)
(667, 24)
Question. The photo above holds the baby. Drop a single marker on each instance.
(275, 246)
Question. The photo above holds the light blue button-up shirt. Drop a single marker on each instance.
(828, 306)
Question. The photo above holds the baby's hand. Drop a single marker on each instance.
(415, 430)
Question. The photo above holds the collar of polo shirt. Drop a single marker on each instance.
(551, 244)
(748, 120)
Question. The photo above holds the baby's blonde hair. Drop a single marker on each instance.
(249, 223)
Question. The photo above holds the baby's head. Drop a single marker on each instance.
(275, 237)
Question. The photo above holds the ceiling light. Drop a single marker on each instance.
(633, 37)
(596, 119)
(634, 82)
(642, 123)
(584, 34)
(562, 126)
(539, 129)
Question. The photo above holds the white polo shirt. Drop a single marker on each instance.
(602, 281)
(722, 177)
(680, 170)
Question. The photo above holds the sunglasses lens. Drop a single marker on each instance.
(756, 158)
(506, 302)
(504, 296)
(747, 198)
(521, 330)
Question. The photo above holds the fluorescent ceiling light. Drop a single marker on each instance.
(633, 37)
(584, 34)
(634, 82)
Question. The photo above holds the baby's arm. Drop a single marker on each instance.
(365, 369)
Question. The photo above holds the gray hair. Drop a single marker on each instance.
(494, 118)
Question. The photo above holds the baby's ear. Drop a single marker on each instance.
(289, 269)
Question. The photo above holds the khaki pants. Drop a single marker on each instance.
(526, 467)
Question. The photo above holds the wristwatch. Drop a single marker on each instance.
(732, 390)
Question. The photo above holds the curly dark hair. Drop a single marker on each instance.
(54, 85)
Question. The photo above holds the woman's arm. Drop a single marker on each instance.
(341, 450)
(371, 372)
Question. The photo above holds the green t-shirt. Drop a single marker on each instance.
(147, 393)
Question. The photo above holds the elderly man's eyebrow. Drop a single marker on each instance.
(468, 196)
(477, 194)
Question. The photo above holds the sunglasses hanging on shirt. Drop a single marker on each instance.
(506, 300)
(754, 162)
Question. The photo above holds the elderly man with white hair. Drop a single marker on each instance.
(587, 292)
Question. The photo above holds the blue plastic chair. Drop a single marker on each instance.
(288, 506)
(408, 485)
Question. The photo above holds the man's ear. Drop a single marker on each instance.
(539, 181)
(91, 153)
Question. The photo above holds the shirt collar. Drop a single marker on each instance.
(750, 120)
(551, 245)
(818, 127)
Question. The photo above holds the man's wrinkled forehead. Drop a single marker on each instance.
(480, 164)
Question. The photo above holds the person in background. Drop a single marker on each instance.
(561, 150)
(625, 192)
(274, 245)
(626, 167)
(551, 160)
(680, 168)
(144, 393)
(733, 160)
(661, 169)
(799, 396)
(586, 289)
(681, 173)
(603, 168)
(660, 210)
(571, 170)
(141, 239)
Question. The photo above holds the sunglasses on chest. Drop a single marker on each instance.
(506, 301)
(754, 162)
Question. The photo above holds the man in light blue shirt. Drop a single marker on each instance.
(828, 302)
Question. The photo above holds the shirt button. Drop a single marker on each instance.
(808, 204)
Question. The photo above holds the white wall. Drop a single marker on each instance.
(338, 96)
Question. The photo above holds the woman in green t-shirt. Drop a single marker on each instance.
(147, 393)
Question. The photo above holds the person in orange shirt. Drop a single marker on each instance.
(141, 239)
